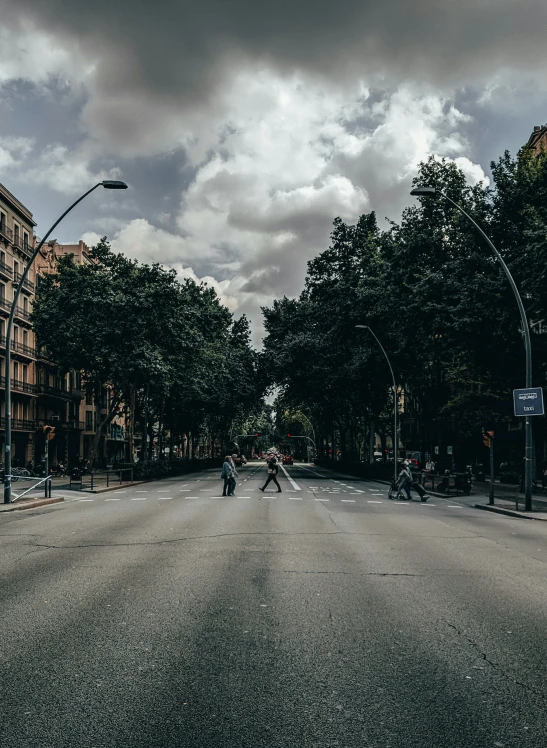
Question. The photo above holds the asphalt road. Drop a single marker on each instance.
(323, 616)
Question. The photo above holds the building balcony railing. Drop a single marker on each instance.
(75, 424)
(7, 233)
(5, 305)
(5, 270)
(26, 284)
(57, 390)
(22, 244)
(19, 386)
(19, 424)
(26, 350)
(22, 313)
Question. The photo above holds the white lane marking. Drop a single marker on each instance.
(294, 485)
(356, 494)
(244, 497)
(322, 499)
(352, 501)
(424, 504)
(194, 497)
(112, 499)
(119, 491)
(138, 492)
(375, 502)
(144, 498)
(162, 490)
(185, 490)
(296, 498)
(85, 499)
(377, 494)
(453, 506)
(273, 498)
(165, 498)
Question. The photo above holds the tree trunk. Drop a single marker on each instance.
(131, 432)
(106, 421)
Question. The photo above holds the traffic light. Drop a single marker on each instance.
(487, 437)
(289, 436)
(49, 432)
(256, 434)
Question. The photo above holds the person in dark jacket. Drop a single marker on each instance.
(273, 469)
(226, 474)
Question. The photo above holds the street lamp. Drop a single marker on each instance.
(395, 439)
(109, 184)
(433, 192)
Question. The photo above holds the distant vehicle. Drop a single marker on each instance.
(240, 460)
(288, 460)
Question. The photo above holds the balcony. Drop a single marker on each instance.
(22, 313)
(18, 424)
(26, 285)
(18, 347)
(23, 349)
(5, 306)
(17, 385)
(76, 425)
(21, 244)
(5, 270)
(5, 232)
(54, 390)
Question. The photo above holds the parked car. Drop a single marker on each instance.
(288, 460)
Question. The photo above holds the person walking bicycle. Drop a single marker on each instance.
(233, 477)
(273, 469)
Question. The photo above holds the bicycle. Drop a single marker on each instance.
(19, 474)
(396, 492)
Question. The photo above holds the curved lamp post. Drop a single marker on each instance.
(108, 184)
(395, 437)
(433, 192)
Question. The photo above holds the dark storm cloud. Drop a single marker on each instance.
(185, 49)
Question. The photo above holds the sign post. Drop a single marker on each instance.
(528, 401)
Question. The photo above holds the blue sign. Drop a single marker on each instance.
(528, 402)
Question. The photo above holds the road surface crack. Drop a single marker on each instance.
(495, 665)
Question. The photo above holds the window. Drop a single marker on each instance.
(3, 220)
(25, 373)
(25, 240)
(15, 333)
(25, 337)
(2, 290)
(15, 233)
(15, 268)
(25, 304)
(88, 396)
(3, 258)
(89, 420)
(15, 370)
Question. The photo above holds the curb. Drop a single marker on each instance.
(31, 504)
(508, 512)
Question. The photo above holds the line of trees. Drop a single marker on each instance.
(171, 356)
(433, 293)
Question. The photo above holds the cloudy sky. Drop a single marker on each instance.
(244, 127)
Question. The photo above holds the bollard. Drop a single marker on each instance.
(107, 478)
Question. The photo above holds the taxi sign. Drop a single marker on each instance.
(528, 402)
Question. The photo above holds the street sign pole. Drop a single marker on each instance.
(491, 497)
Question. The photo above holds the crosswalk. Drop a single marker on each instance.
(307, 496)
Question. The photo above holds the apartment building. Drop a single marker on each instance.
(16, 246)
